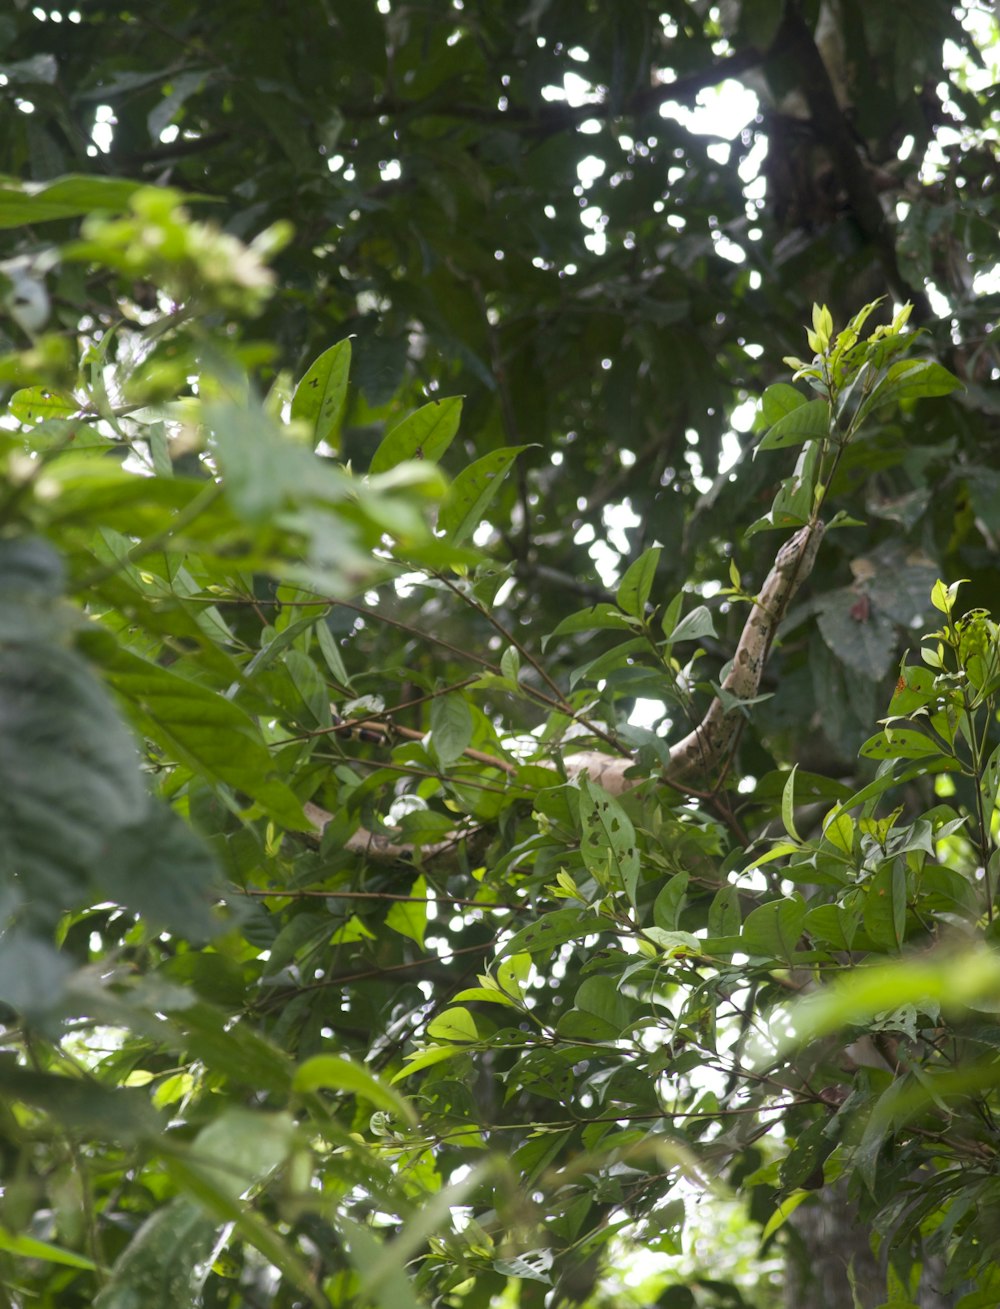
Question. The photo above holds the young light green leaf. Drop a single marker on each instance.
(788, 805)
(510, 664)
(418, 1060)
(783, 1212)
(943, 596)
(455, 1024)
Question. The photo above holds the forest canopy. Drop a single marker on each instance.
(498, 655)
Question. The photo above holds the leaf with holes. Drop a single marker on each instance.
(320, 397)
(608, 841)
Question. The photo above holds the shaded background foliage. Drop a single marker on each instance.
(437, 196)
(511, 202)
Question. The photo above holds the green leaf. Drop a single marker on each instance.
(772, 931)
(724, 914)
(859, 634)
(788, 806)
(598, 617)
(554, 929)
(122, 1115)
(158, 867)
(510, 664)
(832, 923)
(426, 434)
(61, 805)
(320, 397)
(409, 918)
(418, 1060)
(638, 582)
(241, 1146)
(203, 730)
(618, 656)
(670, 901)
(885, 906)
(912, 379)
(783, 1212)
(673, 943)
(608, 841)
(29, 1247)
(807, 1154)
(165, 1264)
(37, 404)
(601, 997)
(486, 995)
(237, 1150)
(264, 468)
(63, 197)
(455, 1024)
(234, 1050)
(693, 626)
(451, 727)
(472, 491)
(332, 657)
(385, 1277)
(334, 1073)
(952, 980)
(778, 401)
(806, 422)
(901, 743)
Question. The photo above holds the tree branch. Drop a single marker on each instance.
(545, 120)
(795, 39)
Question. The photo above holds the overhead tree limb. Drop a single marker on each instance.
(795, 39)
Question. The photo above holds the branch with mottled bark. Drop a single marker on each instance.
(703, 751)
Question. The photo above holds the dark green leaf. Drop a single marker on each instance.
(472, 491)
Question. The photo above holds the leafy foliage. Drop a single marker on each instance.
(327, 975)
